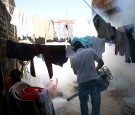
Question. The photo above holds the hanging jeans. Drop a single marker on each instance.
(90, 88)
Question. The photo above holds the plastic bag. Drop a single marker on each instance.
(52, 87)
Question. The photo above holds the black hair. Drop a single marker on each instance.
(77, 45)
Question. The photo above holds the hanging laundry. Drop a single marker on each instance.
(29, 25)
(22, 51)
(43, 27)
(114, 30)
(58, 54)
(17, 20)
(36, 26)
(49, 29)
(121, 42)
(127, 47)
(129, 31)
(40, 40)
(98, 45)
(46, 51)
(133, 34)
(70, 31)
(104, 29)
(23, 21)
(26, 52)
(61, 31)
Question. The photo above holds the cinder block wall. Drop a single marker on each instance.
(7, 32)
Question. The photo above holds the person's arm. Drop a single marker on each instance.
(100, 64)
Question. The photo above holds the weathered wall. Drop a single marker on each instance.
(9, 5)
(7, 31)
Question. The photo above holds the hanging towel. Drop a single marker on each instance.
(19, 19)
(26, 52)
(121, 44)
(58, 54)
(46, 51)
(49, 29)
(22, 51)
(104, 29)
(98, 45)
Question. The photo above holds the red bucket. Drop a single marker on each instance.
(31, 93)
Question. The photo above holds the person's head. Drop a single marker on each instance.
(77, 45)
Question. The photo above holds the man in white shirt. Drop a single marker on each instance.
(83, 64)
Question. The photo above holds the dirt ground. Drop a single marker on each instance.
(110, 104)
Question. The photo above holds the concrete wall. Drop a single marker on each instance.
(7, 31)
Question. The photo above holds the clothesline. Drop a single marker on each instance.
(90, 6)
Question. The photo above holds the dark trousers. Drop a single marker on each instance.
(90, 88)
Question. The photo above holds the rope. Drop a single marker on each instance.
(90, 7)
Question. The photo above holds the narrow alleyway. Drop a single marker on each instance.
(110, 104)
(121, 86)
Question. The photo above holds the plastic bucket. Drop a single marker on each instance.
(31, 93)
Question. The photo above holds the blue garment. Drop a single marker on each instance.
(45, 100)
(86, 41)
(90, 88)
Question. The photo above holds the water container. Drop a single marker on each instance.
(31, 93)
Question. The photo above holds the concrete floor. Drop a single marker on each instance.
(110, 104)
